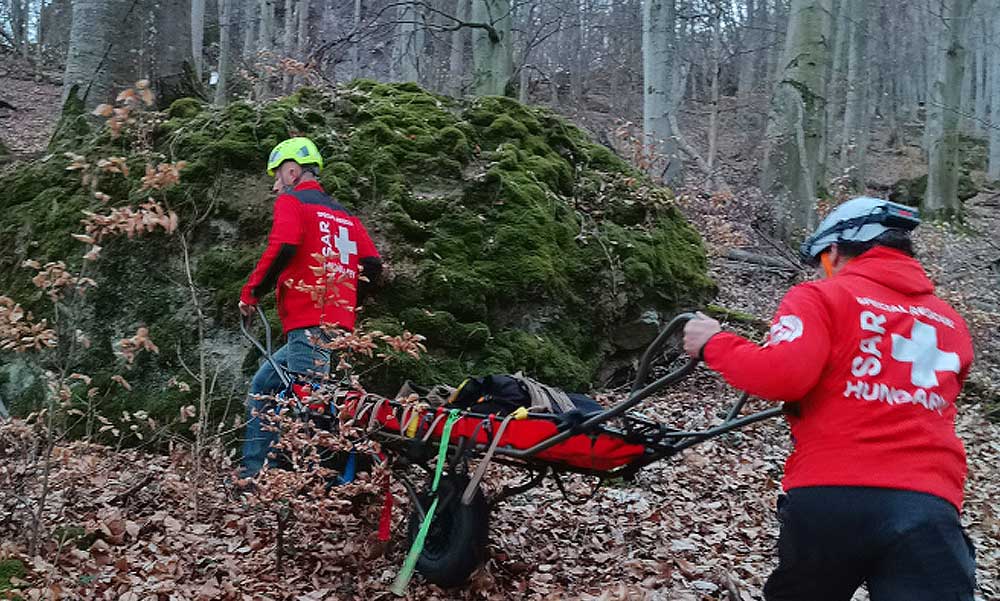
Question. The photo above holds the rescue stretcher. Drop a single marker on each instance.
(449, 521)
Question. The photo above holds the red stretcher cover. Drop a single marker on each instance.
(600, 451)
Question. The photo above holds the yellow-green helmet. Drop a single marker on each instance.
(300, 150)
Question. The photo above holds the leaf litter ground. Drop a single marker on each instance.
(699, 526)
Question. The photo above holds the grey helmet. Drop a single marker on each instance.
(858, 220)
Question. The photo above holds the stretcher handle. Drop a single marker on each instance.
(286, 380)
(677, 323)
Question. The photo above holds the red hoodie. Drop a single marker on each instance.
(875, 362)
(312, 256)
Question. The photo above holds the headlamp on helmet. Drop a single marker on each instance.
(858, 220)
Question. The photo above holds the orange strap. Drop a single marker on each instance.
(824, 259)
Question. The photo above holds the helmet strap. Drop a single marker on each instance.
(824, 260)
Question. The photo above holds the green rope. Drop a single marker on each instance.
(403, 578)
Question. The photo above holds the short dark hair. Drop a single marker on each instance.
(891, 238)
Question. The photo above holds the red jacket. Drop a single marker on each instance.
(875, 361)
(312, 256)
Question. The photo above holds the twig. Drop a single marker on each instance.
(132, 489)
(777, 246)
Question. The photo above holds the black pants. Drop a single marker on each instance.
(907, 546)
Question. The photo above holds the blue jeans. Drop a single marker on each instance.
(298, 355)
(907, 546)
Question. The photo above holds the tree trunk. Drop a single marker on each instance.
(356, 46)
(750, 41)
(265, 47)
(968, 86)
(456, 60)
(981, 75)
(94, 56)
(658, 67)
(492, 49)
(40, 41)
(18, 23)
(302, 51)
(839, 33)
(792, 171)
(943, 170)
(406, 50)
(225, 49)
(288, 45)
(994, 86)
(576, 45)
(167, 60)
(197, 35)
(778, 22)
(855, 139)
(713, 123)
(891, 72)
(250, 30)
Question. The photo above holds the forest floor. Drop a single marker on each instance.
(700, 526)
(26, 128)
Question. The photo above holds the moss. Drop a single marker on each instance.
(912, 191)
(732, 315)
(442, 330)
(513, 241)
(185, 108)
(974, 152)
(544, 357)
(11, 568)
(73, 125)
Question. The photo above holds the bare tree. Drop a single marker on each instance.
(658, 67)
(409, 43)
(197, 35)
(288, 46)
(492, 46)
(793, 163)
(225, 50)
(994, 87)
(264, 43)
(456, 58)
(854, 142)
(943, 139)
(90, 62)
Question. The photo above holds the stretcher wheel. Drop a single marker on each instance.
(457, 541)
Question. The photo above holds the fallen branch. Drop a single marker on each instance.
(758, 259)
(782, 250)
(132, 490)
(717, 182)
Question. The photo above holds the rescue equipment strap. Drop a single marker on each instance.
(403, 578)
(385, 521)
(551, 399)
(470, 489)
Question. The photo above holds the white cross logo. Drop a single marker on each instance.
(345, 246)
(922, 351)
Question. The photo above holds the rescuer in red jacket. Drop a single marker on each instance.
(315, 253)
(871, 362)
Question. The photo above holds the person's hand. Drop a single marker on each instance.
(697, 331)
(245, 309)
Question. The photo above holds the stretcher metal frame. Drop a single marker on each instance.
(620, 421)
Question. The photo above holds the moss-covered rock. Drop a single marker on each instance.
(513, 241)
(911, 191)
